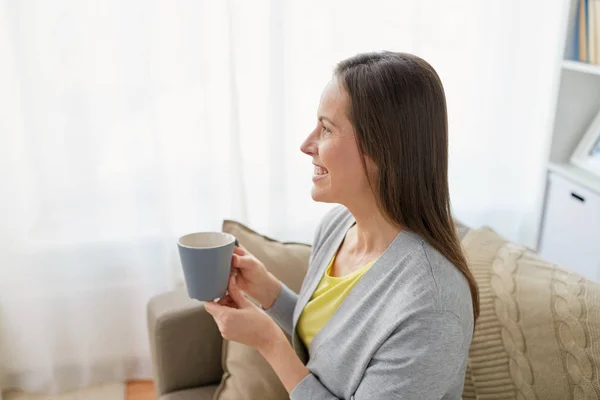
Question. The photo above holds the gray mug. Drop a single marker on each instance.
(206, 261)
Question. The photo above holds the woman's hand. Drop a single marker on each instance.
(241, 321)
(253, 278)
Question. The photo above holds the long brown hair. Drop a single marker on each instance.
(398, 110)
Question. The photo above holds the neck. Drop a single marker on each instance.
(373, 232)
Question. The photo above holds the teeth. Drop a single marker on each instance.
(320, 171)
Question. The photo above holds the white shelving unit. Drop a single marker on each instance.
(576, 175)
(581, 67)
(569, 232)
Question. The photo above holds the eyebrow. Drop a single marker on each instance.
(321, 118)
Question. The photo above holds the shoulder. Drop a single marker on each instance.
(437, 284)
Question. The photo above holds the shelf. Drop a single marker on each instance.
(581, 67)
(577, 175)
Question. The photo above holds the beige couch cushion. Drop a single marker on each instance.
(538, 336)
(247, 374)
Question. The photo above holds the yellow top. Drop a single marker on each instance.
(326, 299)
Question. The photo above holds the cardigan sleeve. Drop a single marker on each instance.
(420, 360)
(282, 310)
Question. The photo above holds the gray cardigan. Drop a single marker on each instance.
(403, 332)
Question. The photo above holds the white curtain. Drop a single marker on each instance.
(126, 124)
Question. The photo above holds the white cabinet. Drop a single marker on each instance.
(570, 233)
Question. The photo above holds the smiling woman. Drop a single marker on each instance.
(388, 299)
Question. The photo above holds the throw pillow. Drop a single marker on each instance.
(538, 335)
(247, 375)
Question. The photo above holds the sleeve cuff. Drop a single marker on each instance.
(282, 311)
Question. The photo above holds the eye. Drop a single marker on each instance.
(326, 131)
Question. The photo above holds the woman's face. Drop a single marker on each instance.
(338, 175)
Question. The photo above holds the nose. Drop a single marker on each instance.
(309, 146)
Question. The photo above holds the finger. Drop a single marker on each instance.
(231, 303)
(234, 272)
(236, 294)
(213, 308)
(239, 250)
(242, 262)
(209, 307)
(227, 301)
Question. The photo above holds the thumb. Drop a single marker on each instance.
(213, 308)
(236, 294)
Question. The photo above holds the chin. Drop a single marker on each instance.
(321, 196)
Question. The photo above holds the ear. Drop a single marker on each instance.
(371, 171)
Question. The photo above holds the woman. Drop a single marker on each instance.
(388, 305)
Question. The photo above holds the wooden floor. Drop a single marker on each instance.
(140, 390)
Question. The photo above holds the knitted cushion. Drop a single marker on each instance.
(538, 336)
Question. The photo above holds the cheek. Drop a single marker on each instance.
(333, 157)
(343, 163)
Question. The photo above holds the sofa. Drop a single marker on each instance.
(538, 336)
